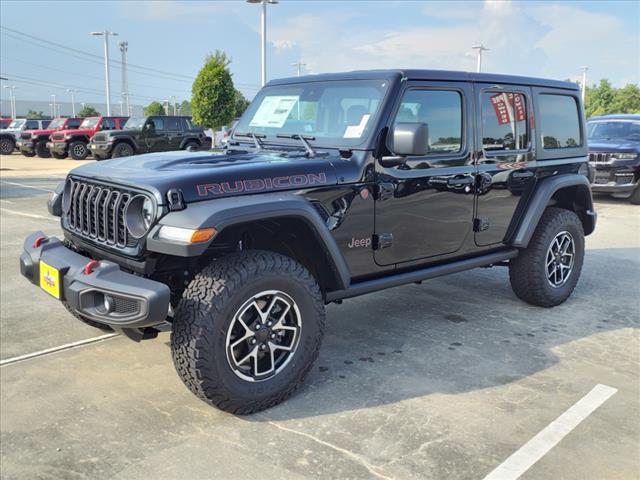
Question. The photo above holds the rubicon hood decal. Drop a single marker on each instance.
(261, 184)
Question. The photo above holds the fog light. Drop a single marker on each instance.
(109, 303)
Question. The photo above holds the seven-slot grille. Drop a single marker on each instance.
(25, 135)
(598, 157)
(97, 212)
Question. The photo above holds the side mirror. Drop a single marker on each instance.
(410, 139)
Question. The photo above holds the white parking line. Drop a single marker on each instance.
(27, 186)
(536, 448)
(67, 346)
(30, 215)
(5, 201)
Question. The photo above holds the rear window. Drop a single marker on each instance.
(559, 121)
(172, 124)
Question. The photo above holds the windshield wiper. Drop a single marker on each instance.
(255, 137)
(304, 139)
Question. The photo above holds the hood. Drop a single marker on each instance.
(204, 176)
(47, 131)
(76, 131)
(614, 145)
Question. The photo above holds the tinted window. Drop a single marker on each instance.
(186, 124)
(173, 124)
(158, 123)
(108, 124)
(614, 130)
(504, 121)
(32, 125)
(441, 110)
(45, 123)
(559, 122)
(74, 123)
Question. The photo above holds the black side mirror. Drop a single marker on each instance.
(410, 138)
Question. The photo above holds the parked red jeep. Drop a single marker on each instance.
(74, 142)
(34, 142)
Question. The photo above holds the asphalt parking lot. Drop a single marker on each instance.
(442, 380)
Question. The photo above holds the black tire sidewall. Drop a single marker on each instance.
(5, 142)
(72, 150)
(122, 146)
(41, 150)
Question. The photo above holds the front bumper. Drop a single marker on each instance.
(100, 149)
(57, 147)
(25, 146)
(106, 295)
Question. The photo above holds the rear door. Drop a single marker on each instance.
(425, 208)
(174, 132)
(506, 167)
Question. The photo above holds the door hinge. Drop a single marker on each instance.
(480, 224)
(384, 191)
(382, 240)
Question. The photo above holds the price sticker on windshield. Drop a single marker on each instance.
(355, 131)
(273, 111)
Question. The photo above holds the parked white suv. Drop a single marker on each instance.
(9, 135)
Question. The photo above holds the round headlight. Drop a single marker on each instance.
(66, 195)
(140, 214)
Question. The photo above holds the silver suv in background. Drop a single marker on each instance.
(10, 135)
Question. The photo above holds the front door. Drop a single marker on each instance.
(425, 207)
(155, 136)
(505, 160)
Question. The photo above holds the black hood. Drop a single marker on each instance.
(203, 175)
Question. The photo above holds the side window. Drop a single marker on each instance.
(173, 124)
(158, 124)
(45, 123)
(108, 124)
(441, 110)
(186, 124)
(74, 123)
(31, 125)
(504, 121)
(559, 121)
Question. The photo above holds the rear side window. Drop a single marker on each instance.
(559, 121)
(173, 124)
(108, 124)
(441, 110)
(504, 121)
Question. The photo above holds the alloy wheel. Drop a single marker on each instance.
(559, 259)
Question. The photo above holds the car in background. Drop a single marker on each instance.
(149, 134)
(5, 122)
(34, 142)
(9, 136)
(75, 142)
(614, 152)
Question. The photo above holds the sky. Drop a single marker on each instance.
(168, 41)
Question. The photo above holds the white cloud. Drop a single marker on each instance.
(524, 38)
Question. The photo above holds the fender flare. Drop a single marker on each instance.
(189, 139)
(75, 138)
(545, 190)
(225, 212)
(128, 140)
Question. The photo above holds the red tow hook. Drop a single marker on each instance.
(39, 241)
(88, 268)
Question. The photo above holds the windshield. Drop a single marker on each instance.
(334, 113)
(135, 123)
(56, 124)
(90, 122)
(614, 130)
(17, 123)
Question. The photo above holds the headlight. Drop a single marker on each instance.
(140, 214)
(625, 156)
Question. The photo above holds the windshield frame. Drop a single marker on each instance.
(271, 139)
(590, 137)
(17, 123)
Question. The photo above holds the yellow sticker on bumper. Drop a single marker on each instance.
(50, 279)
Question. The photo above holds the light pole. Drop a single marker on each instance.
(263, 30)
(54, 109)
(106, 34)
(480, 48)
(299, 65)
(12, 99)
(72, 91)
(124, 46)
(584, 81)
(173, 103)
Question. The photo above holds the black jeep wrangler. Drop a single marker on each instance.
(332, 186)
(149, 134)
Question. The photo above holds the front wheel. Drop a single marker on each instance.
(78, 150)
(59, 156)
(547, 271)
(122, 150)
(28, 154)
(42, 151)
(247, 330)
(7, 146)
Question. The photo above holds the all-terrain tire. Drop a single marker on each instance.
(7, 146)
(205, 314)
(28, 154)
(91, 323)
(41, 150)
(528, 271)
(635, 196)
(191, 144)
(59, 156)
(122, 149)
(78, 150)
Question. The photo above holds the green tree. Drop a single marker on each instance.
(213, 95)
(88, 111)
(627, 99)
(241, 103)
(154, 108)
(185, 108)
(34, 114)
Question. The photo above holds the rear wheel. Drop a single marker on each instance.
(191, 144)
(59, 156)
(7, 146)
(547, 271)
(122, 150)
(247, 330)
(41, 150)
(78, 150)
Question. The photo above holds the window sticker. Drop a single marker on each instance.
(273, 111)
(355, 131)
